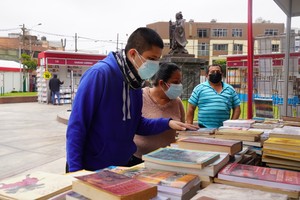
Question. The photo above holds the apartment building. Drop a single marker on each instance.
(214, 40)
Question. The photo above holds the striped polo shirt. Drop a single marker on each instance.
(213, 108)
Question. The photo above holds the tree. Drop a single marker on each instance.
(222, 63)
(29, 62)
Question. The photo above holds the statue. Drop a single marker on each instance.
(177, 35)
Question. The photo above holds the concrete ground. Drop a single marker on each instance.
(32, 138)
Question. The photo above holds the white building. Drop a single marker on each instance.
(11, 75)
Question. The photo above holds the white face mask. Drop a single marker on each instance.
(174, 91)
(148, 68)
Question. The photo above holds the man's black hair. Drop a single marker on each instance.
(143, 39)
(207, 68)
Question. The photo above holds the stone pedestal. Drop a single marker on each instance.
(190, 67)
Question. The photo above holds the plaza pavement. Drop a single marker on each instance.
(32, 138)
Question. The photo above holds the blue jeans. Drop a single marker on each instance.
(53, 93)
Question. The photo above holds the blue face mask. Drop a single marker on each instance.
(174, 91)
(148, 68)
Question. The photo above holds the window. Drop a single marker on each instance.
(275, 47)
(220, 47)
(271, 32)
(202, 33)
(237, 32)
(219, 32)
(237, 48)
(203, 49)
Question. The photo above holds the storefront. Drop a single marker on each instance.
(69, 67)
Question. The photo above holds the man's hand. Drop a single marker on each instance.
(179, 126)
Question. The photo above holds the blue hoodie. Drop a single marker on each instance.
(105, 116)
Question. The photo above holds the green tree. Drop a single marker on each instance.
(223, 64)
(31, 63)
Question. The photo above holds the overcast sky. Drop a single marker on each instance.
(104, 20)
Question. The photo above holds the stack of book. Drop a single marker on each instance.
(261, 178)
(250, 137)
(291, 121)
(204, 164)
(282, 153)
(173, 185)
(106, 184)
(245, 123)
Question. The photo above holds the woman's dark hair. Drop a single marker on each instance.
(143, 39)
(165, 72)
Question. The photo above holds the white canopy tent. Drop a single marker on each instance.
(292, 9)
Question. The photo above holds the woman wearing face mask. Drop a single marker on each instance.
(215, 100)
(161, 100)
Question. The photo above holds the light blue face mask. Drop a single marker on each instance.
(174, 91)
(148, 68)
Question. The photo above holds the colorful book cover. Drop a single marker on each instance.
(181, 157)
(280, 178)
(114, 183)
(36, 185)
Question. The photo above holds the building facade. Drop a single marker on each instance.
(12, 46)
(214, 40)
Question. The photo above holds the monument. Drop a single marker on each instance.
(178, 54)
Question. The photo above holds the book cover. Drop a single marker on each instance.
(166, 181)
(36, 185)
(181, 157)
(111, 184)
(277, 178)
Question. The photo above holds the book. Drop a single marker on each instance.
(181, 157)
(201, 132)
(282, 154)
(225, 192)
(210, 170)
(276, 178)
(37, 185)
(286, 132)
(210, 144)
(266, 125)
(284, 144)
(281, 161)
(109, 185)
(187, 196)
(245, 123)
(75, 196)
(291, 193)
(244, 135)
(166, 181)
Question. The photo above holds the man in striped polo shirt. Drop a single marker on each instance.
(214, 99)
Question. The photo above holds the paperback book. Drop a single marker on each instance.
(272, 177)
(210, 144)
(106, 184)
(181, 157)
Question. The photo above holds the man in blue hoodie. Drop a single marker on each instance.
(107, 109)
